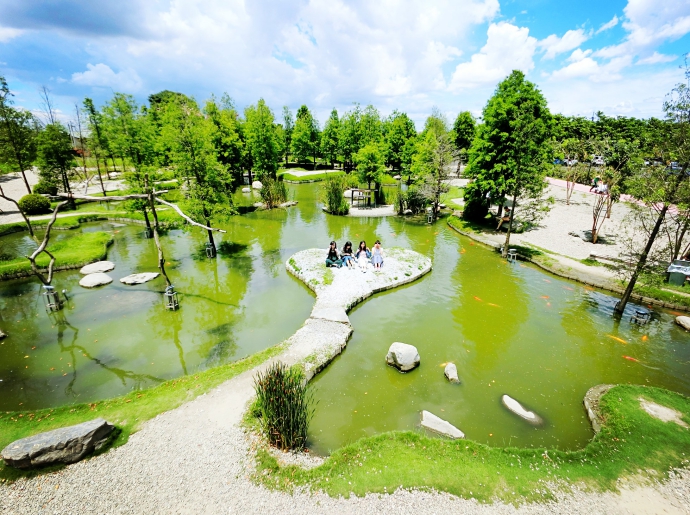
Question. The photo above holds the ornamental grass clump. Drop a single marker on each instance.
(284, 404)
(273, 192)
(333, 188)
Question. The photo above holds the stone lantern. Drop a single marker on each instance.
(171, 300)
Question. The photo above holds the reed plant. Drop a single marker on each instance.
(273, 192)
(285, 406)
(333, 189)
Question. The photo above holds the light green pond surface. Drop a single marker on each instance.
(490, 318)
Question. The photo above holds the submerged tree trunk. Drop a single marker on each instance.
(620, 307)
(152, 205)
(504, 254)
(146, 219)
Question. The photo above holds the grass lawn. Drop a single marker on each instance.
(80, 250)
(287, 176)
(631, 442)
(128, 412)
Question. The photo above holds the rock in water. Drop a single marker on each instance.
(402, 356)
(2, 335)
(93, 280)
(440, 426)
(517, 408)
(257, 185)
(97, 267)
(139, 278)
(65, 445)
(246, 190)
(684, 322)
(451, 373)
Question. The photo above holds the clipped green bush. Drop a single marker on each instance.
(34, 204)
(45, 188)
(333, 198)
(284, 404)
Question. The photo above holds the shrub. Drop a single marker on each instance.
(273, 193)
(45, 188)
(284, 403)
(34, 204)
(333, 197)
(411, 199)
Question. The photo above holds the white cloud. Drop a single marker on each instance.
(7, 33)
(508, 48)
(102, 75)
(608, 25)
(584, 66)
(553, 45)
(657, 58)
(579, 55)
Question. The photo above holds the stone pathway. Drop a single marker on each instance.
(194, 459)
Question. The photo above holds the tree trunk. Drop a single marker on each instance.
(161, 257)
(210, 237)
(100, 177)
(620, 307)
(504, 254)
(26, 182)
(112, 160)
(146, 218)
(679, 240)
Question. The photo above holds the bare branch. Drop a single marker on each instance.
(179, 212)
(13, 201)
(42, 248)
(104, 199)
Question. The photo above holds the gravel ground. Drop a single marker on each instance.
(13, 186)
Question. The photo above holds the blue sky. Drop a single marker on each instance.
(617, 56)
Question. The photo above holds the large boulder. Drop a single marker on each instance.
(402, 356)
(141, 278)
(684, 322)
(257, 185)
(97, 267)
(93, 280)
(440, 426)
(451, 373)
(65, 445)
(246, 190)
(520, 411)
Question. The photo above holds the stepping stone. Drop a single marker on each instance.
(246, 190)
(141, 278)
(98, 266)
(684, 322)
(257, 185)
(93, 280)
(520, 411)
(402, 356)
(64, 445)
(451, 373)
(440, 426)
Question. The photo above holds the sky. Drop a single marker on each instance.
(616, 56)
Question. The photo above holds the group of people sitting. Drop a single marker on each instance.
(361, 257)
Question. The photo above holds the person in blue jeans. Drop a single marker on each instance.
(346, 255)
(333, 257)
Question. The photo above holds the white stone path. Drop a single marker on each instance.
(193, 459)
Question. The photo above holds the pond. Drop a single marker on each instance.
(509, 328)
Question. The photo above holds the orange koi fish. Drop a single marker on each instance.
(462, 251)
(677, 314)
(492, 304)
(617, 339)
(478, 299)
(568, 288)
(629, 358)
(545, 297)
(548, 303)
(589, 288)
(645, 338)
(546, 280)
(471, 243)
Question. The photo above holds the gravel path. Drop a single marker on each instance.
(13, 186)
(196, 459)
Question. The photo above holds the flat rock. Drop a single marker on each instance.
(440, 426)
(402, 356)
(64, 445)
(93, 280)
(517, 408)
(451, 373)
(141, 278)
(246, 190)
(2, 335)
(257, 185)
(684, 322)
(97, 267)
(407, 212)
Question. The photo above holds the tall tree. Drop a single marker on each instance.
(55, 155)
(303, 135)
(227, 136)
(329, 138)
(83, 150)
(17, 135)
(370, 164)
(659, 186)
(464, 129)
(430, 165)
(509, 157)
(98, 142)
(371, 127)
(189, 135)
(398, 130)
(288, 127)
(350, 137)
(261, 139)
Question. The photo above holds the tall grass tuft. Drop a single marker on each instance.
(273, 193)
(333, 188)
(284, 402)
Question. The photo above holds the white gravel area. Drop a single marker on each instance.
(13, 186)
(196, 458)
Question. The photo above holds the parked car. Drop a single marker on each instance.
(570, 162)
(598, 160)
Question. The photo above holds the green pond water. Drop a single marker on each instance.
(509, 328)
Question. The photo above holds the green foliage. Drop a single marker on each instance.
(18, 130)
(330, 142)
(464, 129)
(333, 198)
(45, 188)
(305, 136)
(399, 129)
(227, 136)
(350, 134)
(128, 412)
(316, 177)
(285, 403)
(412, 199)
(370, 164)
(34, 204)
(261, 139)
(273, 192)
(55, 155)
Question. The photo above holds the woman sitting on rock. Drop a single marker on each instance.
(333, 258)
(346, 255)
(362, 255)
(377, 256)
